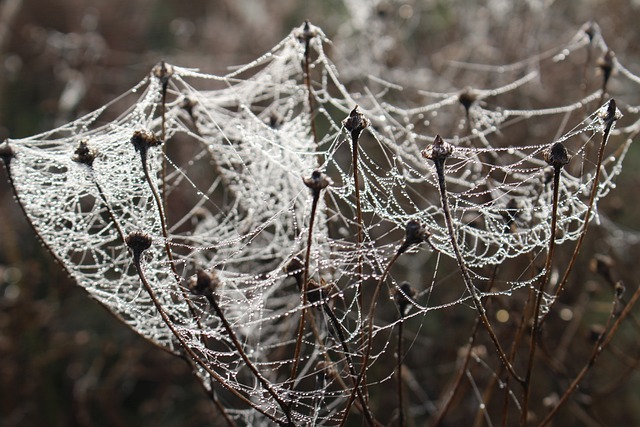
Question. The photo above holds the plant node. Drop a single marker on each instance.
(84, 154)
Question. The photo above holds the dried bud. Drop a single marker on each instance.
(467, 97)
(415, 233)
(294, 268)
(163, 72)
(356, 122)
(188, 104)
(605, 64)
(403, 296)
(306, 32)
(611, 113)
(602, 264)
(6, 153)
(142, 140)
(556, 155)
(138, 242)
(204, 282)
(317, 181)
(84, 154)
(596, 332)
(315, 293)
(619, 289)
(438, 151)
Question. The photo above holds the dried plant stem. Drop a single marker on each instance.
(535, 328)
(285, 408)
(458, 379)
(609, 120)
(307, 78)
(304, 288)
(439, 164)
(165, 233)
(399, 354)
(195, 358)
(601, 343)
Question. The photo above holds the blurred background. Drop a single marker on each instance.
(64, 361)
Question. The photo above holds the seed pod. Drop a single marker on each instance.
(556, 155)
(438, 151)
(415, 233)
(356, 122)
(138, 242)
(84, 154)
(401, 297)
(317, 181)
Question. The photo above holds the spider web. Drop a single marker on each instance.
(230, 176)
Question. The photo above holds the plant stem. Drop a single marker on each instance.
(609, 121)
(185, 346)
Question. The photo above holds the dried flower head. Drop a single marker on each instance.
(356, 122)
(163, 72)
(438, 151)
(317, 181)
(402, 297)
(138, 242)
(556, 155)
(467, 97)
(605, 64)
(203, 282)
(415, 233)
(142, 140)
(306, 32)
(6, 153)
(84, 154)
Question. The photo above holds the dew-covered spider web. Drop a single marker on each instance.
(212, 169)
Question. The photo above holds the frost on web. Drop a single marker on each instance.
(212, 170)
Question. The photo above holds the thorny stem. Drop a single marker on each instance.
(195, 358)
(438, 153)
(601, 343)
(557, 157)
(611, 116)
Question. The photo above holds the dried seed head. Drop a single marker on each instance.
(611, 113)
(356, 122)
(556, 155)
(84, 154)
(605, 64)
(317, 181)
(602, 264)
(306, 32)
(415, 233)
(467, 97)
(619, 289)
(402, 297)
(163, 72)
(294, 268)
(315, 292)
(6, 153)
(138, 242)
(204, 282)
(142, 140)
(596, 332)
(438, 151)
